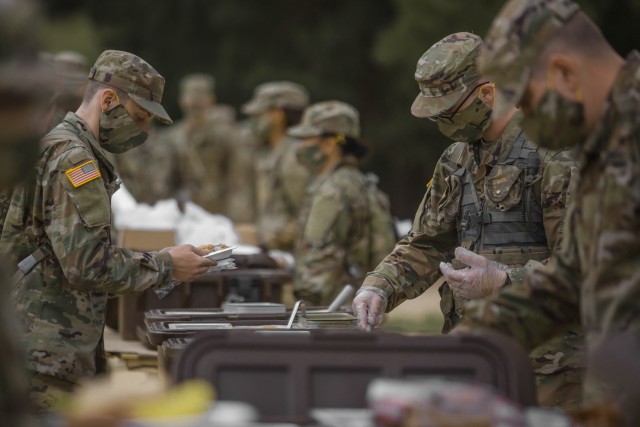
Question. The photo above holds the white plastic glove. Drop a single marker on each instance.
(481, 279)
(369, 306)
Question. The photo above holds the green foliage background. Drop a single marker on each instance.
(360, 51)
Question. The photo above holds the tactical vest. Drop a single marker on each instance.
(506, 224)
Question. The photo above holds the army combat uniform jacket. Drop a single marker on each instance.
(334, 248)
(527, 221)
(66, 209)
(280, 190)
(595, 276)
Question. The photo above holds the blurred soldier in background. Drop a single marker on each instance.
(57, 229)
(70, 73)
(23, 90)
(241, 203)
(575, 90)
(340, 239)
(199, 147)
(495, 193)
(280, 180)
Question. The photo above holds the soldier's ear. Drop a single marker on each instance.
(487, 94)
(108, 99)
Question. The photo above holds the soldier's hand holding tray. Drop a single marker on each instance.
(482, 278)
(189, 262)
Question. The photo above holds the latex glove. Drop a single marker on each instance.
(369, 306)
(481, 279)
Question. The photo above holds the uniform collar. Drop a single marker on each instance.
(87, 137)
(498, 151)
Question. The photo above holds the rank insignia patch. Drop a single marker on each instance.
(82, 174)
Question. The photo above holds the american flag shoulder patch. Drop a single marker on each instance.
(82, 174)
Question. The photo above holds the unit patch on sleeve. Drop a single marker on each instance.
(82, 174)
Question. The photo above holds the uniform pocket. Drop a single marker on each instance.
(92, 202)
(503, 187)
(449, 203)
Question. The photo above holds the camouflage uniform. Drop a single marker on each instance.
(334, 245)
(27, 81)
(241, 203)
(61, 219)
(594, 277)
(199, 161)
(506, 192)
(280, 180)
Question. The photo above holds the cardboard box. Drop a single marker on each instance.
(247, 233)
(146, 240)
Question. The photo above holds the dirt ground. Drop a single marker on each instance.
(421, 314)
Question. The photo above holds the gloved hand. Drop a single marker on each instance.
(481, 279)
(369, 306)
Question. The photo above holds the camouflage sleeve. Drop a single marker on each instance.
(413, 265)
(548, 298)
(554, 196)
(5, 202)
(241, 205)
(320, 255)
(78, 229)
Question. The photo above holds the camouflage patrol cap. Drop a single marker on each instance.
(70, 69)
(327, 117)
(444, 72)
(197, 83)
(133, 75)
(281, 94)
(517, 36)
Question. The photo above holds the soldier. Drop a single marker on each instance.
(494, 192)
(200, 147)
(280, 180)
(57, 230)
(575, 90)
(337, 243)
(70, 70)
(22, 88)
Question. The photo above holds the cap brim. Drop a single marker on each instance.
(429, 106)
(252, 108)
(154, 108)
(303, 131)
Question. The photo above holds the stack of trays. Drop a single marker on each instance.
(323, 320)
(163, 324)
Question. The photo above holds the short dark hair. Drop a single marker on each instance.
(94, 87)
(579, 35)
